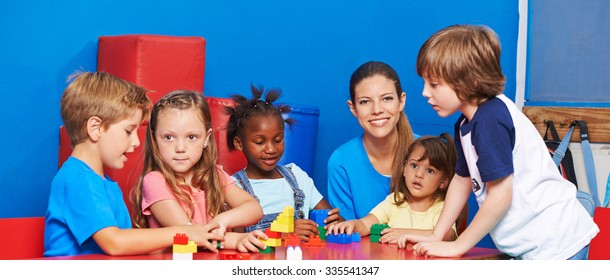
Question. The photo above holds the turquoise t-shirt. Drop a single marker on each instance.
(354, 186)
(80, 204)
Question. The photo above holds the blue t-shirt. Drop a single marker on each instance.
(354, 186)
(80, 204)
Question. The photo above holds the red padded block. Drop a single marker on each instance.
(158, 63)
(232, 161)
(21, 238)
(599, 248)
(64, 146)
(127, 177)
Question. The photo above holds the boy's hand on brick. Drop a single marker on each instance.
(406, 239)
(438, 248)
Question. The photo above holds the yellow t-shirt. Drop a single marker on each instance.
(404, 217)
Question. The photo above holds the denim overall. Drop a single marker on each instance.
(299, 197)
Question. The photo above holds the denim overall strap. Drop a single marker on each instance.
(299, 196)
(242, 177)
(264, 223)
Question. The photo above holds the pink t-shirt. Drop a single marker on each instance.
(155, 189)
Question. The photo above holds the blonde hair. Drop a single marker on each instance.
(467, 58)
(440, 152)
(205, 173)
(102, 95)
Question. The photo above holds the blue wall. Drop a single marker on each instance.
(568, 59)
(307, 48)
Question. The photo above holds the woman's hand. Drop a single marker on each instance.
(342, 227)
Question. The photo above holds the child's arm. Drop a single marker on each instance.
(245, 242)
(392, 235)
(115, 241)
(362, 226)
(245, 210)
(497, 203)
(457, 195)
(169, 213)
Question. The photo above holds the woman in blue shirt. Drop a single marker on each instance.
(360, 171)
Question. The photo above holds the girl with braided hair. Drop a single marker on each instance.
(256, 127)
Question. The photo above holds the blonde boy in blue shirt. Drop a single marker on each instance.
(86, 212)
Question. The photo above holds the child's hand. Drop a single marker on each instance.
(439, 249)
(333, 218)
(392, 235)
(406, 239)
(305, 228)
(342, 227)
(248, 242)
(205, 235)
(222, 222)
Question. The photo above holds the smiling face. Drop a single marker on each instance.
(181, 137)
(377, 106)
(262, 142)
(421, 178)
(119, 139)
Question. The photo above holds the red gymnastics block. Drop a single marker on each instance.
(231, 161)
(156, 62)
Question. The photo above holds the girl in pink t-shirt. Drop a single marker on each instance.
(181, 183)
